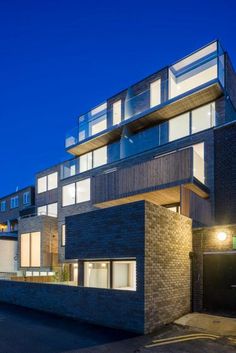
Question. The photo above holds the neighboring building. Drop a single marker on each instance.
(11, 207)
(149, 165)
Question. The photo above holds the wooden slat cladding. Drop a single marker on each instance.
(165, 171)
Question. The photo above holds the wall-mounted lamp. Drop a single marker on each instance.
(221, 236)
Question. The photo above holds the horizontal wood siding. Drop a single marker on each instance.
(148, 176)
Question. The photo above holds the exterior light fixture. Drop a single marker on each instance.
(221, 236)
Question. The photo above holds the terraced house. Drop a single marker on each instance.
(141, 218)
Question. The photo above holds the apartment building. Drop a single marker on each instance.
(146, 198)
(12, 206)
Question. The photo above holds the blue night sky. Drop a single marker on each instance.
(58, 59)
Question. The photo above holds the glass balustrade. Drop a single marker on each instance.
(196, 70)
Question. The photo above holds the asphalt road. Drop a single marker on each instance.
(27, 331)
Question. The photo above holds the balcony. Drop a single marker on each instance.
(161, 180)
(191, 82)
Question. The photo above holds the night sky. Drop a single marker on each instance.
(58, 59)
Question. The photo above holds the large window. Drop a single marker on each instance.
(124, 275)
(85, 162)
(155, 93)
(116, 108)
(76, 192)
(117, 274)
(97, 274)
(98, 125)
(203, 118)
(47, 182)
(99, 157)
(83, 190)
(30, 249)
(48, 210)
(68, 195)
(179, 127)
(193, 71)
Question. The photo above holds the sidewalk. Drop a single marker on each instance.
(223, 326)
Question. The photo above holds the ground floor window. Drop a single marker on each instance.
(30, 249)
(115, 274)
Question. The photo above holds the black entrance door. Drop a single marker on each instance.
(219, 282)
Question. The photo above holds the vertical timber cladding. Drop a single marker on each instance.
(168, 244)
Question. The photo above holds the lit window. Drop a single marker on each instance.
(155, 93)
(63, 235)
(99, 156)
(52, 209)
(14, 202)
(179, 127)
(174, 208)
(26, 198)
(3, 206)
(25, 250)
(42, 184)
(52, 181)
(83, 190)
(203, 118)
(193, 71)
(116, 107)
(97, 274)
(30, 249)
(99, 109)
(85, 162)
(35, 250)
(124, 275)
(198, 162)
(42, 210)
(68, 195)
(98, 125)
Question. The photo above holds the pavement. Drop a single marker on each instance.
(224, 326)
(28, 331)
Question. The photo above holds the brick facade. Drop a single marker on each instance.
(168, 243)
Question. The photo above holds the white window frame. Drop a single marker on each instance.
(14, 202)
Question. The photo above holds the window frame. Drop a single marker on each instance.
(46, 177)
(14, 202)
(110, 272)
(76, 192)
(63, 235)
(26, 198)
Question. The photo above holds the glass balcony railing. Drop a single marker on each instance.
(197, 69)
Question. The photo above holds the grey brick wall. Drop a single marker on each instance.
(168, 242)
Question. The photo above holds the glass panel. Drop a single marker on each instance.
(68, 195)
(42, 210)
(155, 93)
(25, 250)
(99, 109)
(26, 198)
(116, 112)
(98, 125)
(42, 184)
(203, 118)
(85, 162)
(83, 190)
(68, 168)
(97, 274)
(100, 156)
(52, 209)
(52, 181)
(35, 249)
(198, 162)
(179, 127)
(124, 275)
(193, 71)
(63, 235)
